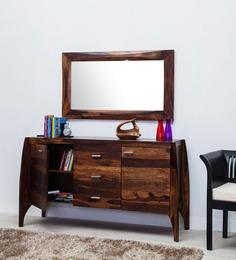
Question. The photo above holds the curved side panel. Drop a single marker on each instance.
(24, 202)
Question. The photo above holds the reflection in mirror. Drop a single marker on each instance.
(117, 85)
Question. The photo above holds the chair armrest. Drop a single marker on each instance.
(216, 165)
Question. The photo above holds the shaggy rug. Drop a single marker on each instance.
(18, 244)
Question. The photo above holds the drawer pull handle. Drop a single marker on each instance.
(129, 153)
(96, 155)
(40, 150)
(96, 177)
(95, 198)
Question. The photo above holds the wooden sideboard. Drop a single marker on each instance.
(138, 175)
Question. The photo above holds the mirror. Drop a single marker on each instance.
(118, 85)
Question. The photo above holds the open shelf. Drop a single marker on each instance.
(59, 179)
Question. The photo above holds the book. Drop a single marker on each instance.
(45, 126)
(71, 162)
(53, 127)
(49, 127)
(63, 160)
(67, 161)
(53, 192)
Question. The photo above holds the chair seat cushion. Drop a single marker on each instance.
(226, 192)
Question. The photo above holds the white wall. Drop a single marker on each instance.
(33, 34)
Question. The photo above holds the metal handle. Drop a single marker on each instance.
(40, 150)
(128, 153)
(96, 155)
(96, 177)
(95, 198)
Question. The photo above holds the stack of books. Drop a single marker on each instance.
(67, 161)
(60, 196)
(53, 126)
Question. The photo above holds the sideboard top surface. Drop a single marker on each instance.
(68, 140)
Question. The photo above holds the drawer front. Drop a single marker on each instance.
(104, 155)
(96, 201)
(97, 176)
(154, 157)
(146, 178)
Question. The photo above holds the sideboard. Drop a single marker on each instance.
(137, 175)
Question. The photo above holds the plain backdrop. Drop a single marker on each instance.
(33, 34)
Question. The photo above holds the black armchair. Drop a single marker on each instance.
(221, 187)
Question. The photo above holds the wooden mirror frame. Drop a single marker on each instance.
(166, 55)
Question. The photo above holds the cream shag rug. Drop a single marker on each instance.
(18, 244)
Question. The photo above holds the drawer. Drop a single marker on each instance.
(150, 153)
(95, 179)
(97, 175)
(98, 155)
(147, 157)
(96, 201)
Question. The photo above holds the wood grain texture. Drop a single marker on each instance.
(145, 189)
(24, 183)
(39, 176)
(166, 55)
(97, 170)
(184, 182)
(146, 153)
(140, 175)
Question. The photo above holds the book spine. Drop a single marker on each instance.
(56, 126)
(46, 126)
(67, 162)
(62, 161)
(53, 127)
(59, 126)
(49, 127)
(71, 161)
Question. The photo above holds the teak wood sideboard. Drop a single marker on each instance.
(138, 175)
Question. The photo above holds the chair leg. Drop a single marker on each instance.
(209, 228)
(225, 223)
(43, 213)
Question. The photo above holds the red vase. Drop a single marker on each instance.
(160, 131)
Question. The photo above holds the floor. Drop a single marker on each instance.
(223, 248)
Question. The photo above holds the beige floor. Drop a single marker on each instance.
(223, 248)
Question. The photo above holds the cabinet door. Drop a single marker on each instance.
(39, 176)
(146, 178)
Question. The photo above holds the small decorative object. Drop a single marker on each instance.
(160, 131)
(128, 133)
(67, 131)
(168, 130)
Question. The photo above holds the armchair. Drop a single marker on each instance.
(221, 187)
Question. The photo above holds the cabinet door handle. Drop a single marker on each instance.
(95, 198)
(96, 155)
(128, 153)
(96, 176)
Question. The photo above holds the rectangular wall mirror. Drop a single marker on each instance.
(118, 85)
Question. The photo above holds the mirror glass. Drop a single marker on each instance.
(117, 85)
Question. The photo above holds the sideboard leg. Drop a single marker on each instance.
(22, 212)
(184, 185)
(43, 213)
(175, 226)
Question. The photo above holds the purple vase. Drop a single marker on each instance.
(168, 131)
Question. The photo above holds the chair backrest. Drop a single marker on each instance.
(216, 165)
(230, 157)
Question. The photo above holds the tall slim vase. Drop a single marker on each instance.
(168, 131)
